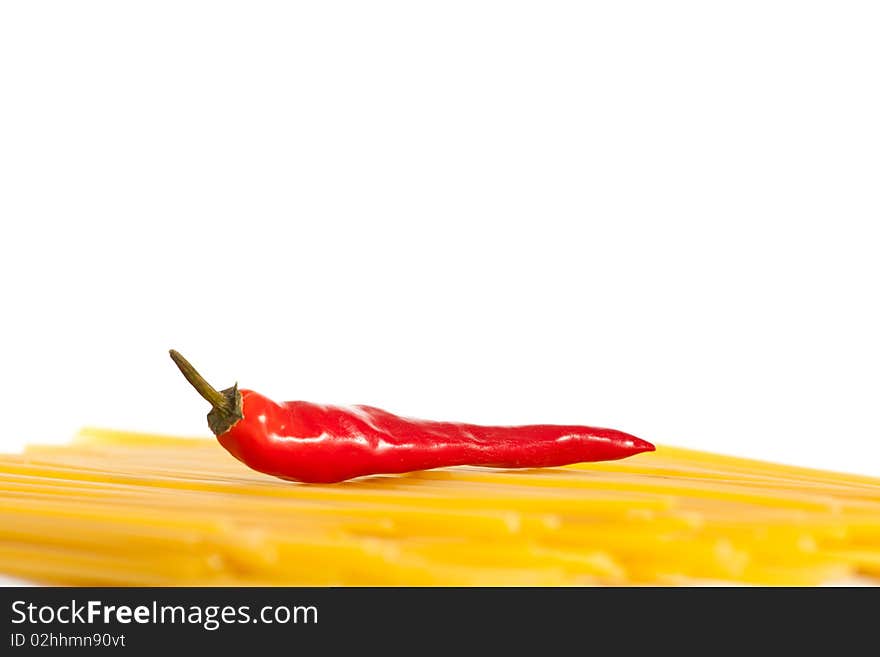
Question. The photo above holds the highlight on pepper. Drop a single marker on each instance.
(317, 443)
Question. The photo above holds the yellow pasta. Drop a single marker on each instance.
(122, 508)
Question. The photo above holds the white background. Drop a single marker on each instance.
(655, 216)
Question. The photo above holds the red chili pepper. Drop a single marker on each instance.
(315, 443)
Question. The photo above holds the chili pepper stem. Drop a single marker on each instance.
(225, 404)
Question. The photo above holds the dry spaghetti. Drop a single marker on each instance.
(117, 508)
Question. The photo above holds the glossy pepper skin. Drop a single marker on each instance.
(314, 443)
